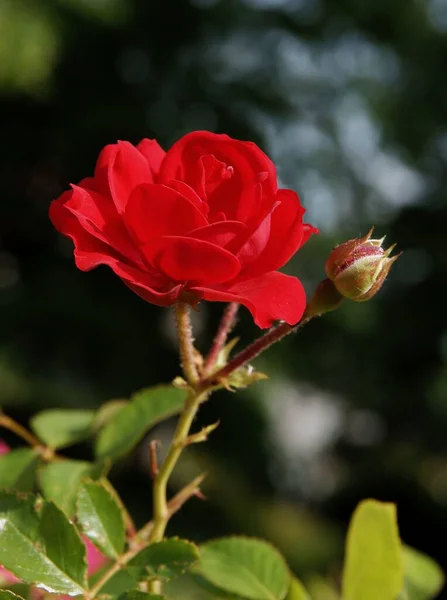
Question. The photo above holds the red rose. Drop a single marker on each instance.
(204, 220)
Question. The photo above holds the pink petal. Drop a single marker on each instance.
(95, 559)
(7, 578)
(269, 297)
(4, 448)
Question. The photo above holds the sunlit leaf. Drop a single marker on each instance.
(373, 565)
(100, 518)
(297, 591)
(321, 589)
(423, 576)
(244, 566)
(41, 547)
(165, 560)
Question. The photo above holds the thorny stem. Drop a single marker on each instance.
(262, 343)
(225, 327)
(186, 345)
(174, 505)
(199, 391)
(179, 441)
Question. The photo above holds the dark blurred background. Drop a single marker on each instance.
(349, 97)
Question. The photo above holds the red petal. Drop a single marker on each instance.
(98, 216)
(220, 234)
(153, 153)
(154, 297)
(286, 234)
(90, 251)
(269, 297)
(182, 161)
(185, 190)
(155, 210)
(188, 259)
(120, 168)
(256, 243)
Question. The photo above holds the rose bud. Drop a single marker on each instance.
(359, 267)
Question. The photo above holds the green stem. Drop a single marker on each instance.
(141, 538)
(161, 511)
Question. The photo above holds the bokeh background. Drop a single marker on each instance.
(349, 97)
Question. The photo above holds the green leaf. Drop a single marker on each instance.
(212, 592)
(60, 481)
(7, 595)
(41, 547)
(107, 411)
(147, 408)
(137, 595)
(59, 428)
(121, 582)
(373, 565)
(164, 560)
(423, 576)
(100, 518)
(320, 589)
(244, 566)
(18, 469)
(297, 591)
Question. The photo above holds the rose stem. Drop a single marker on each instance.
(262, 343)
(186, 346)
(200, 389)
(141, 539)
(20, 431)
(225, 327)
(179, 440)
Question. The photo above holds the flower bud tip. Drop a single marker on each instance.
(359, 267)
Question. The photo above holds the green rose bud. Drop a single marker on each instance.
(359, 267)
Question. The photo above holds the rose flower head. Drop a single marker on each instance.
(358, 267)
(203, 221)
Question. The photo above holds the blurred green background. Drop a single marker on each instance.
(349, 97)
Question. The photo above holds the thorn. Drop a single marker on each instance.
(198, 494)
(200, 436)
